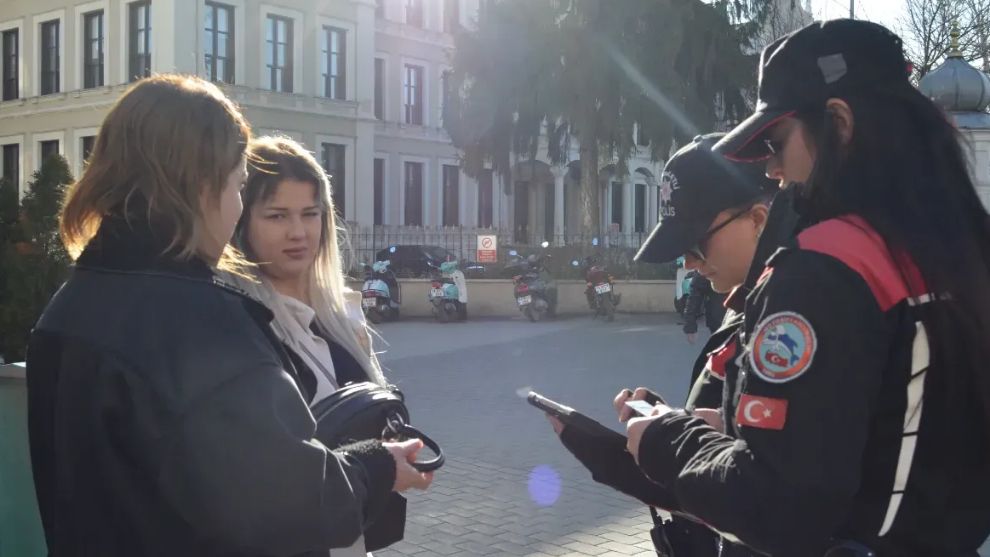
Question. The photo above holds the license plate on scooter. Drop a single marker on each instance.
(603, 288)
(369, 302)
(523, 300)
(436, 293)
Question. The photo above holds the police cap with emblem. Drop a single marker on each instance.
(698, 184)
(802, 70)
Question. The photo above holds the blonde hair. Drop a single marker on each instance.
(165, 140)
(272, 160)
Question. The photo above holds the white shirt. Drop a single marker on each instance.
(316, 354)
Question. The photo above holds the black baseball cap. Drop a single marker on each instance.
(802, 70)
(697, 184)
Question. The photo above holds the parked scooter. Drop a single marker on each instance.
(448, 293)
(534, 289)
(600, 289)
(381, 294)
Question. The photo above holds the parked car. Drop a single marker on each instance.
(418, 260)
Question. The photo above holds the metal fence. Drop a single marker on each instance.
(614, 248)
(364, 242)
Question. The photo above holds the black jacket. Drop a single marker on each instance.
(703, 301)
(840, 426)
(615, 467)
(164, 419)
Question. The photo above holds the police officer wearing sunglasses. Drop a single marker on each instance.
(705, 200)
(857, 421)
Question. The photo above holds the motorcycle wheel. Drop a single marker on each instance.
(608, 308)
(449, 312)
(374, 315)
(530, 314)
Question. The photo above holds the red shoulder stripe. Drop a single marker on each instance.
(853, 241)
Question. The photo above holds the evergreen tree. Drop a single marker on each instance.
(538, 71)
(33, 259)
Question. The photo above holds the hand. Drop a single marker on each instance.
(619, 403)
(636, 426)
(557, 425)
(692, 338)
(405, 475)
(712, 417)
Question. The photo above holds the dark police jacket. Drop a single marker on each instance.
(839, 424)
(164, 420)
(615, 467)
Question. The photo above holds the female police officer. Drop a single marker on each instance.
(860, 416)
(714, 215)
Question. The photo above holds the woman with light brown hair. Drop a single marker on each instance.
(164, 418)
(288, 231)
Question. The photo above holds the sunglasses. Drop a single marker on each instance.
(698, 251)
(775, 146)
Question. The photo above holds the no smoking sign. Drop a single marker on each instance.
(487, 248)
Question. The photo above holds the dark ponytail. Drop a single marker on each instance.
(906, 174)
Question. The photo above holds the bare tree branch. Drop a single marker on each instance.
(927, 28)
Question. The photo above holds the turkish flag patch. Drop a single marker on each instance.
(762, 412)
(719, 358)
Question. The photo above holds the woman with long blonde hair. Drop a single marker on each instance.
(163, 418)
(288, 231)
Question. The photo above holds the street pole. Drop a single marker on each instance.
(852, 9)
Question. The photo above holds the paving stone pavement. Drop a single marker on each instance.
(509, 487)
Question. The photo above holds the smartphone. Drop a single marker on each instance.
(550, 407)
(653, 398)
(640, 407)
(573, 418)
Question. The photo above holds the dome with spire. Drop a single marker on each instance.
(959, 88)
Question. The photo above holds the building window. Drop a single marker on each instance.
(93, 50)
(10, 67)
(333, 163)
(640, 218)
(451, 197)
(48, 148)
(380, 9)
(414, 13)
(414, 193)
(444, 93)
(334, 50)
(278, 51)
(451, 15)
(485, 199)
(379, 193)
(12, 162)
(140, 40)
(617, 203)
(218, 42)
(379, 88)
(87, 144)
(49, 57)
(413, 95)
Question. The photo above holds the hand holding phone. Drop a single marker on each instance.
(640, 407)
(653, 398)
(572, 418)
(641, 394)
